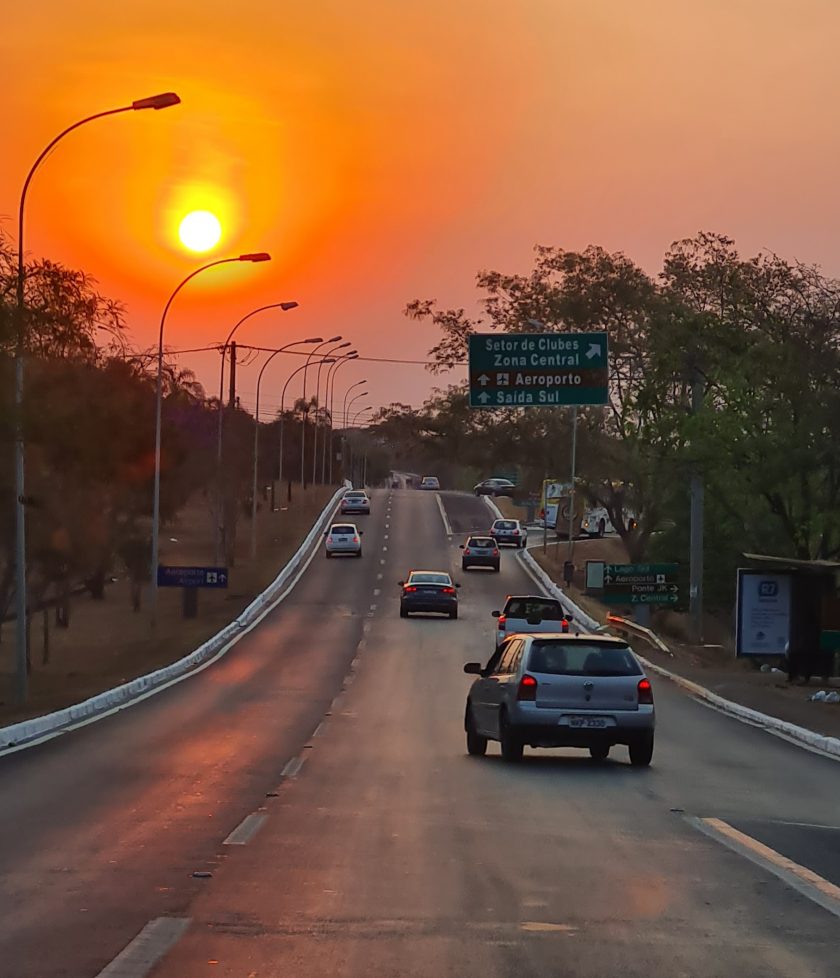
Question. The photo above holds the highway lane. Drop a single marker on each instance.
(101, 829)
(393, 853)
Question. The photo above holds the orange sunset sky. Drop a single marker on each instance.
(384, 150)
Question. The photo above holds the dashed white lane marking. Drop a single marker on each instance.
(386, 536)
(246, 830)
(376, 592)
(446, 525)
(379, 577)
(373, 607)
(141, 955)
(384, 550)
(382, 560)
(292, 768)
(802, 879)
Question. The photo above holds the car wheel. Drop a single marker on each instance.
(476, 744)
(599, 752)
(403, 612)
(496, 568)
(511, 745)
(327, 554)
(359, 554)
(453, 614)
(641, 750)
(464, 567)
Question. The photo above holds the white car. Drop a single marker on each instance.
(343, 538)
(355, 501)
(509, 531)
(429, 482)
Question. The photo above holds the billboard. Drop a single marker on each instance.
(763, 613)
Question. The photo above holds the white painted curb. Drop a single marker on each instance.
(18, 734)
(794, 733)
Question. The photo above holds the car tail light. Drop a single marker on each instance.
(329, 539)
(495, 552)
(564, 625)
(448, 590)
(645, 693)
(410, 587)
(355, 539)
(527, 690)
(516, 533)
(502, 620)
(466, 550)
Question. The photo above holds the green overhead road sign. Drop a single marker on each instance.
(641, 583)
(538, 369)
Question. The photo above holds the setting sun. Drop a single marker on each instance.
(200, 231)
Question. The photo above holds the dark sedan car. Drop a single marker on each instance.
(494, 487)
(429, 591)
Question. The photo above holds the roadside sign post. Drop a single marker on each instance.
(190, 580)
(641, 584)
(537, 369)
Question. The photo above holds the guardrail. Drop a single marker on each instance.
(626, 626)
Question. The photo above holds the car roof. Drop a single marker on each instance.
(417, 571)
(531, 597)
(581, 637)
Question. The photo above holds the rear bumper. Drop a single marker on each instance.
(500, 540)
(333, 549)
(442, 607)
(364, 510)
(479, 561)
(544, 728)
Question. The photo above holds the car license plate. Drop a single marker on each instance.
(588, 722)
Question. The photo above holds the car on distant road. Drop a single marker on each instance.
(495, 487)
(546, 690)
(430, 592)
(355, 501)
(531, 613)
(480, 551)
(509, 531)
(429, 482)
(343, 538)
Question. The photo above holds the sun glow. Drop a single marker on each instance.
(200, 231)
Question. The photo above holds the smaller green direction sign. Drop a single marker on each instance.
(538, 369)
(641, 583)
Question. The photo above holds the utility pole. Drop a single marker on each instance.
(695, 590)
(228, 506)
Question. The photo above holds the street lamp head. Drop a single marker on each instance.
(162, 101)
(333, 339)
(255, 256)
(343, 345)
(328, 360)
(286, 306)
(314, 339)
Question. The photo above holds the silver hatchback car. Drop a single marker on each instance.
(549, 690)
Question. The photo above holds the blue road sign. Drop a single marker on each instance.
(214, 577)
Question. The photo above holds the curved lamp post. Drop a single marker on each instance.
(253, 257)
(332, 339)
(329, 397)
(293, 374)
(288, 346)
(220, 524)
(162, 101)
(347, 426)
(329, 353)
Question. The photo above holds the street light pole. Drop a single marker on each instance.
(253, 257)
(220, 502)
(257, 440)
(162, 101)
(332, 339)
(347, 425)
(293, 374)
(341, 346)
(330, 397)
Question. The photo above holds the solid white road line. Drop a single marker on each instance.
(446, 526)
(141, 955)
(292, 768)
(802, 879)
(318, 730)
(246, 830)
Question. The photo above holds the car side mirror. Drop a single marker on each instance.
(473, 668)
(456, 584)
(400, 583)
(496, 614)
(461, 546)
(361, 533)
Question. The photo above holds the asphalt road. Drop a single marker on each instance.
(390, 852)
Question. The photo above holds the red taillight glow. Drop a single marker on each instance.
(516, 533)
(448, 590)
(355, 539)
(527, 689)
(502, 620)
(410, 587)
(466, 550)
(329, 539)
(645, 693)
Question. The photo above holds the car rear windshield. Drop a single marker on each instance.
(429, 579)
(355, 495)
(559, 658)
(481, 542)
(341, 528)
(505, 524)
(534, 608)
